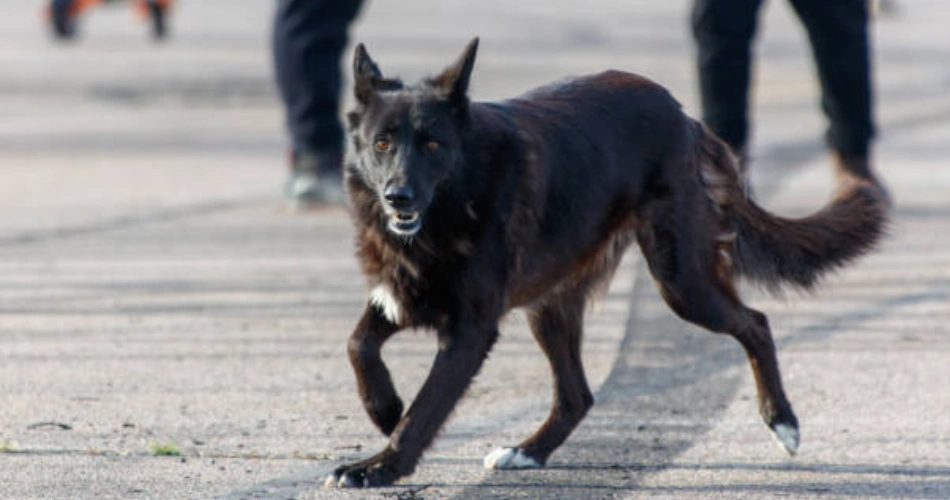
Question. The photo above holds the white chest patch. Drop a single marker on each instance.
(382, 298)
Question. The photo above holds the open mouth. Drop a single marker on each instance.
(405, 223)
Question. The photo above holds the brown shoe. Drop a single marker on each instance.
(850, 170)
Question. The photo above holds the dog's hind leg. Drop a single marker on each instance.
(693, 278)
(557, 325)
(373, 381)
(751, 329)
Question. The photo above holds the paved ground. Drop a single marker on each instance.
(153, 290)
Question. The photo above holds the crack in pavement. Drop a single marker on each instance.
(127, 221)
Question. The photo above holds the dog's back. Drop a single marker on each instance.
(594, 147)
(600, 128)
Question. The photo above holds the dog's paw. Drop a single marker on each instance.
(346, 479)
(361, 475)
(510, 458)
(786, 436)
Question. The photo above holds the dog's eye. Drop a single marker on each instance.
(382, 145)
(432, 146)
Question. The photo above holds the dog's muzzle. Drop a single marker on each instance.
(404, 220)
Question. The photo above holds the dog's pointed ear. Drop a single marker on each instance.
(366, 74)
(453, 81)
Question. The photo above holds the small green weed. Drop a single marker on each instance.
(169, 449)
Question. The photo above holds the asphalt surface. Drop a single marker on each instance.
(156, 293)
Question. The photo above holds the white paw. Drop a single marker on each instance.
(344, 481)
(509, 458)
(786, 436)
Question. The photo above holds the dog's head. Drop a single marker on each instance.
(405, 140)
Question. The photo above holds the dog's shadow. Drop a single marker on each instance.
(792, 479)
(660, 387)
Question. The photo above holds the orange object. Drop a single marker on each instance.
(80, 6)
(142, 6)
(64, 14)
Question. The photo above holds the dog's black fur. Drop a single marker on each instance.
(464, 211)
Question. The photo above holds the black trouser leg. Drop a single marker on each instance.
(308, 41)
(723, 30)
(838, 31)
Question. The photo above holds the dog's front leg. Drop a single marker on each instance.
(462, 350)
(373, 381)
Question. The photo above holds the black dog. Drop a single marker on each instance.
(464, 211)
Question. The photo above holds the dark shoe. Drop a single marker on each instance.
(158, 11)
(314, 179)
(63, 19)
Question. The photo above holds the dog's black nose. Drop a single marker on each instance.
(398, 197)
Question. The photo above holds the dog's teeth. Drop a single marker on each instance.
(406, 217)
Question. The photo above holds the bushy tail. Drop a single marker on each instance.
(773, 250)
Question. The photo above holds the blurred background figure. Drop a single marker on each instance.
(308, 41)
(64, 15)
(838, 32)
(884, 7)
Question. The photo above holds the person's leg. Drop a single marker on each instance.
(723, 31)
(63, 18)
(308, 41)
(838, 32)
(157, 11)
